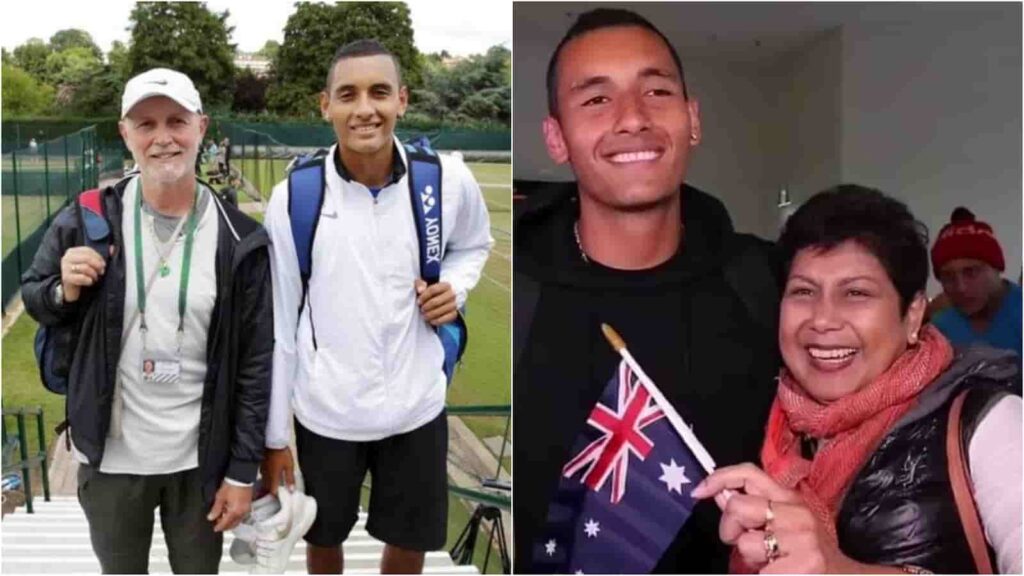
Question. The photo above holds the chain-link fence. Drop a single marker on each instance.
(260, 152)
(39, 179)
(321, 134)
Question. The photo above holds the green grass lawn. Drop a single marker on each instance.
(488, 173)
(21, 384)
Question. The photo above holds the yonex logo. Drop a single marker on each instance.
(428, 199)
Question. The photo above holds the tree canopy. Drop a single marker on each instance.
(68, 74)
(75, 38)
(23, 95)
(313, 34)
(187, 37)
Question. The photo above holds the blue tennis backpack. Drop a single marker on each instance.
(306, 185)
(55, 345)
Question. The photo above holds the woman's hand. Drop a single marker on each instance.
(771, 526)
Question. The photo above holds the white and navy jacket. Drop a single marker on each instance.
(376, 370)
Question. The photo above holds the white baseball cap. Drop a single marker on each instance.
(161, 82)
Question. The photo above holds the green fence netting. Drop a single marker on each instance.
(308, 134)
(38, 180)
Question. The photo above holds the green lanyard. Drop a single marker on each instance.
(185, 266)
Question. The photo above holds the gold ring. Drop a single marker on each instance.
(771, 546)
(74, 268)
(769, 514)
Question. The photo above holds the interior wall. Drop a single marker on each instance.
(932, 114)
(808, 119)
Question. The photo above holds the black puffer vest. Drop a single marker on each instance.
(900, 510)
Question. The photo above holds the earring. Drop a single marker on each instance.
(913, 339)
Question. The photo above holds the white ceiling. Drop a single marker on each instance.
(745, 31)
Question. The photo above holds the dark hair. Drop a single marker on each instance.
(882, 225)
(595, 20)
(357, 49)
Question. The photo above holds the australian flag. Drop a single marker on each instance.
(625, 492)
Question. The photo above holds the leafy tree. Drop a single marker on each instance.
(118, 59)
(250, 92)
(22, 94)
(97, 95)
(31, 57)
(74, 38)
(477, 88)
(189, 38)
(313, 34)
(269, 50)
(71, 66)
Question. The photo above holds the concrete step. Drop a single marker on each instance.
(86, 562)
(55, 540)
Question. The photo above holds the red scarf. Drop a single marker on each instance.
(851, 427)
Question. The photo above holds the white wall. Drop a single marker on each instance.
(932, 114)
(808, 119)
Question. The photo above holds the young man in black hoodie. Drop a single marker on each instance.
(631, 245)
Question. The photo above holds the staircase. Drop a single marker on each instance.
(55, 540)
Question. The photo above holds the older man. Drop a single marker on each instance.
(183, 290)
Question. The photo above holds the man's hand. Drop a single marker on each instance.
(436, 302)
(277, 462)
(80, 266)
(230, 506)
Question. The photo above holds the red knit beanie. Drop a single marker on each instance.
(965, 237)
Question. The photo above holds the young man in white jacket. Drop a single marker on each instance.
(360, 363)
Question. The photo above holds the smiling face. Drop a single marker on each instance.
(363, 102)
(163, 138)
(840, 325)
(623, 122)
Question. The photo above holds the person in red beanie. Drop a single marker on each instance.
(968, 261)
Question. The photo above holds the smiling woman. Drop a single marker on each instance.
(865, 392)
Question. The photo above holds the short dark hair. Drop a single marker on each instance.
(882, 225)
(360, 48)
(598, 19)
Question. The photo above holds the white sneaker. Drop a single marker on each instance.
(245, 533)
(277, 536)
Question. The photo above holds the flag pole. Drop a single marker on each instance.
(677, 422)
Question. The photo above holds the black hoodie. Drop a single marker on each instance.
(700, 336)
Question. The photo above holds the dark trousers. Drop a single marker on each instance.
(120, 510)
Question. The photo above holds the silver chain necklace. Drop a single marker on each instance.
(579, 244)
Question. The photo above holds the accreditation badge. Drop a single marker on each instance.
(160, 368)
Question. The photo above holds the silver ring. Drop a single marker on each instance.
(771, 546)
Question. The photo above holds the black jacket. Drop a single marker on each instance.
(701, 325)
(899, 510)
(239, 347)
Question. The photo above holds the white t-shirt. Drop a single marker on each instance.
(159, 431)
